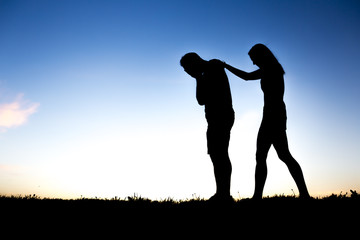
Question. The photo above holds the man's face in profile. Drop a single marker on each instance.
(193, 70)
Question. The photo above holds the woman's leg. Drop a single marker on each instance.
(281, 146)
(262, 148)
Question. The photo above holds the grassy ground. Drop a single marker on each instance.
(136, 202)
(278, 215)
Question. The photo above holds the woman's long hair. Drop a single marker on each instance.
(263, 55)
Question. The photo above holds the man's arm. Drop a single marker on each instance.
(200, 91)
(244, 75)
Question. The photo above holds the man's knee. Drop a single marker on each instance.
(220, 159)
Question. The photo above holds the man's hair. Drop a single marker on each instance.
(190, 59)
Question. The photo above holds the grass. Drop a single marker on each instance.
(136, 199)
(138, 202)
(280, 214)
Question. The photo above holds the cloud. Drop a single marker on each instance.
(16, 113)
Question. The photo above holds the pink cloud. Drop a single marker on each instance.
(16, 113)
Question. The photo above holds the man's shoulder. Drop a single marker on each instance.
(216, 63)
(216, 67)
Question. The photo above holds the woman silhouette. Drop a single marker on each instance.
(273, 126)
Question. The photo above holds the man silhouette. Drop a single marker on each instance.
(213, 91)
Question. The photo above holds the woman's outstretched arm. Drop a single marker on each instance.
(244, 75)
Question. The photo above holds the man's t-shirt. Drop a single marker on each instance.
(218, 101)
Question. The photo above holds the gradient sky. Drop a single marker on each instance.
(93, 101)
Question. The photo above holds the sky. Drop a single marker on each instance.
(94, 103)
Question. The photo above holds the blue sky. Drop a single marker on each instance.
(93, 100)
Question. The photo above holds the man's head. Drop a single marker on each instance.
(192, 64)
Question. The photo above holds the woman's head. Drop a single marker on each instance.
(264, 58)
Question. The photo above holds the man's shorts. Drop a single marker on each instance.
(218, 133)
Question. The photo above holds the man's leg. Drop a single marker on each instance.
(222, 172)
(218, 137)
